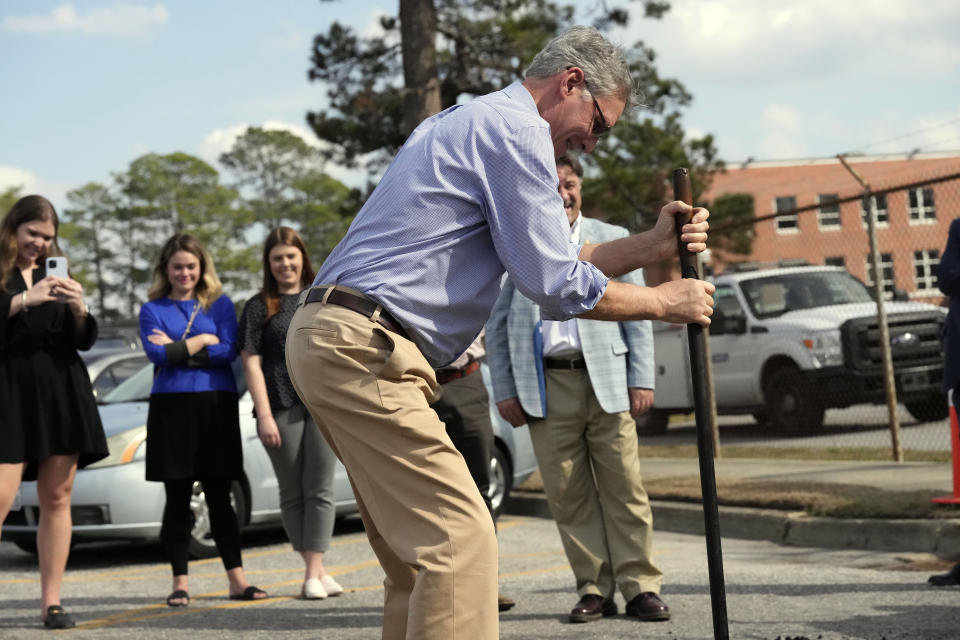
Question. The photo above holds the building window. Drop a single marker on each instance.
(925, 264)
(835, 261)
(828, 214)
(886, 272)
(880, 202)
(921, 205)
(787, 223)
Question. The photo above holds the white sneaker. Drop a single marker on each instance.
(331, 586)
(313, 589)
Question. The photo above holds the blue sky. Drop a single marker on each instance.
(90, 85)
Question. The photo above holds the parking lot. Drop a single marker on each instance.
(117, 591)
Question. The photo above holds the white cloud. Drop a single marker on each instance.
(29, 184)
(17, 177)
(745, 41)
(372, 27)
(290, 36)
(121, 19)
(222, 140)
(781, 118)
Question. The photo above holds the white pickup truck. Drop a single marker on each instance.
(789, 343)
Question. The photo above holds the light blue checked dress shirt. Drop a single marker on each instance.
(473, 192)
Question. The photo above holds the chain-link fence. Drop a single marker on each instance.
(802, 353)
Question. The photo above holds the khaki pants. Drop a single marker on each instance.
(368, 389)
(591, 475)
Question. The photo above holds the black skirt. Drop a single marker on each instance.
(194, 435)
(47, 407)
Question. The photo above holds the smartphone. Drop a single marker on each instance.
(57, 266)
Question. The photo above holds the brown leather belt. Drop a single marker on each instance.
(360, 304)
(564, 363)
(446, 375)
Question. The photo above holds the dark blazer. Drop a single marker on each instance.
(948, 276)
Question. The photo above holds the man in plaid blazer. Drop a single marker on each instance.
(579, 384)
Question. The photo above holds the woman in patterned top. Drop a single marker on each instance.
(302, 459)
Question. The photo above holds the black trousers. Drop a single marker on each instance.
(178, 522)
(465, 411)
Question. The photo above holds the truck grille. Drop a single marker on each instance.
(914, 340)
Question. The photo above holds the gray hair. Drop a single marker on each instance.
(604, 63)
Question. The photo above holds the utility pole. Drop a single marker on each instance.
(888, 381)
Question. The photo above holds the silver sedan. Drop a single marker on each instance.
(113, 501)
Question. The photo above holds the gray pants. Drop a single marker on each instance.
(304, 465)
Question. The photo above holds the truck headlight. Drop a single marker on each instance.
(125, 447)
(826, 348)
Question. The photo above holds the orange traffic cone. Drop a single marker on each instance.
(955, 448)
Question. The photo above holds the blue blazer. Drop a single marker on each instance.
(948, 276)
(618, 354)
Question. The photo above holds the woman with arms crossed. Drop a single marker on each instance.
(49, 423)
(302, 459)
(189, 332)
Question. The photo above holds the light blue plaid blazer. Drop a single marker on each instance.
(618, 354)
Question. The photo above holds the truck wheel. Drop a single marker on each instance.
(931, 409)
(652, 423)
(792, 404)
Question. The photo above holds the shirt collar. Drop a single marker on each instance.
(575, 228)
(516, 91)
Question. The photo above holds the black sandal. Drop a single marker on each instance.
(179, 594)
(250, 593)
(57, 618)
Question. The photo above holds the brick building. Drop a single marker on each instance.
(828, 224)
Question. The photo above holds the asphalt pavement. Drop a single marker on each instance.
(773, 591)
(787, 575)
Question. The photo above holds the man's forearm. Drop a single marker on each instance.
(623, 255)
(680, 301)
(622, 301)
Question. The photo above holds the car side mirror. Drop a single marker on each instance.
(899, 295)
(734, 324)
(727, 323)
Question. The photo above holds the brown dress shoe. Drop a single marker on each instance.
(505, 603)
(593, 607)
(648, 607)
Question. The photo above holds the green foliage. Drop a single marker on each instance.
(281, 180)
(113, 233)
(8, 197)
(323, 208)
(267, 166)
(483, 46)
(86, 229)
(634, 164)
(176, 193)
(731, 209)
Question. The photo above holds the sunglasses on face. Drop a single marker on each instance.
(600, 126)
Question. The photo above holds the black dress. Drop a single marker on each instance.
(47, 405)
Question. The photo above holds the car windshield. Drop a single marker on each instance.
(137, 387)
(773, 296)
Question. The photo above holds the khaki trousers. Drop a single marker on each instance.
(368, 390)
(591, 476)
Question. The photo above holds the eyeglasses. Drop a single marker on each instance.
(602, 127)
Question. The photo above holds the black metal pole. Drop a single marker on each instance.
(708, 480)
